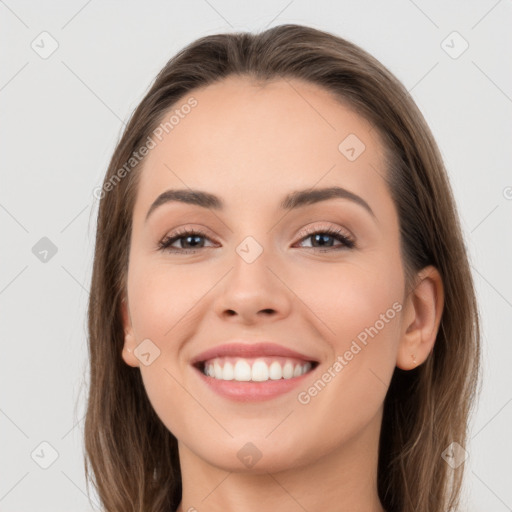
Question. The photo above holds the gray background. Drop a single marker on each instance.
(61, 117)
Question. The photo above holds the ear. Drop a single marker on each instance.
(129, 337)
(421, 318)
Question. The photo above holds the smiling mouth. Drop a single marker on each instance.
(255, 369)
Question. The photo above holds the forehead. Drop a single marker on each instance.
(249, 141)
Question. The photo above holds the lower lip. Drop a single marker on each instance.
(252, 391)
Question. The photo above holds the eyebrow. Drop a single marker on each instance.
(296, 199)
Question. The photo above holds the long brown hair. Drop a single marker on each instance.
(133, 457)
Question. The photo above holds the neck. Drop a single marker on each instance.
(343, 480)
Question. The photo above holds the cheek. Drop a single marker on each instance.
(349, 297)
(163, 305)
(162, 298)
(354, 307)
(363, 316)
(359, 310)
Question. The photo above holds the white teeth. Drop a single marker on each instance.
(260, 371)
(242, 370)
(217, 368)
(275, 371)
(228, 372)
(288, 370)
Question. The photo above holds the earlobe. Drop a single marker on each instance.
(129, 337)
(421, 319)
(128, 349)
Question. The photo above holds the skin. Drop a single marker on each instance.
(251, 145)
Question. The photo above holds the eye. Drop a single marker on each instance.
(323, 239)
(189, 241)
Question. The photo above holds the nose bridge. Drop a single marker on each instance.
(252, 288)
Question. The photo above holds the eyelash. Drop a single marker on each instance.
(347, 242)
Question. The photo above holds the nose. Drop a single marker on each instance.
(253, 292)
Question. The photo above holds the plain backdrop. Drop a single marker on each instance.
(70, 75)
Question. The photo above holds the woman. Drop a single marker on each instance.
(282, 315)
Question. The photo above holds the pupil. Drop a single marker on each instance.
(195, 239)
(320, 238)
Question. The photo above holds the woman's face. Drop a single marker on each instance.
(261, 272)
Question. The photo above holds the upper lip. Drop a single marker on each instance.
(240, 349)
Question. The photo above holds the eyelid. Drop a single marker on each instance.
(312, 229)
(343, 234)
(190, 228)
